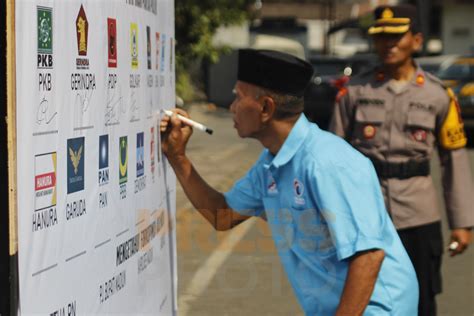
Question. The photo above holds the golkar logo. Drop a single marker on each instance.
(103, 160)
(45, 214)
(298, 190)
(75, 165)
(82, 31)
(45, 37)
(134, 44)
(112, 42)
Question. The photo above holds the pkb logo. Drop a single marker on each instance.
(45, 37)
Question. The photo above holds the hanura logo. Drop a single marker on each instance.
(134, 44)
(148, 47)
(45, 37)
(152, 150)
(103, 159)
(45, 181)
(123, 159)
(75, 164)
(112, 42)
(140, 155)
(82, 30)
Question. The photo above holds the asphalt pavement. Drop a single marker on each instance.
(238, 272)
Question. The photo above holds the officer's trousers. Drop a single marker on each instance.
(424, 245)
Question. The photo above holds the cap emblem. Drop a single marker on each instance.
(387, 14)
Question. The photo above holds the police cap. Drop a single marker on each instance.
(396, 19)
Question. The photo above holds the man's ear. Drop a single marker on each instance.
(417, 41)
(268, 109)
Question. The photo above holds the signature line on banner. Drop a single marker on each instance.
(45, 269)
(77, 255)
(102, 243)
(121, 233)
(83, 128)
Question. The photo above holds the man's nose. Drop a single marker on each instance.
(232, 107)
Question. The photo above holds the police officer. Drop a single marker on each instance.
(397, 115)
(340, 259)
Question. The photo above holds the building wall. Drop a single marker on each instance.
(458, 28)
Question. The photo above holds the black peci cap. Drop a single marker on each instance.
(396, 19)
(274, 70)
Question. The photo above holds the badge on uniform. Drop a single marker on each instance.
(369, 131)
(419, 135)
(272, 186)
(298, 189)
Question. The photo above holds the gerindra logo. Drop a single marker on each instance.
(45, 181)
(75, 164)
(82, 30)
(123, 159)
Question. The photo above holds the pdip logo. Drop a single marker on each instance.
(112, 42)
(45, 37)
(134, 44)
(82, 31)
(103, 159)
(123, 159)
(75, 164)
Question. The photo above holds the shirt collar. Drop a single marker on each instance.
(291, 145)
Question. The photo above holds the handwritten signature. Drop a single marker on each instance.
(45, 115)
(134, 108)
(114, 107)
(81, 104)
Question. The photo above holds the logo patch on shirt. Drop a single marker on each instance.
(272, 186)
(299, 190)
(419, 135)
(369, 131)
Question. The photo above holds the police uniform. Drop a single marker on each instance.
(398, 128)
(323, 204)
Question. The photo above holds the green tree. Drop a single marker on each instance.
(196, 22)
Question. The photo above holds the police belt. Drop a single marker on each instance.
(401, 170)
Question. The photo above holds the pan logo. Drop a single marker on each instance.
(103, 159)
(134, 44)
(45, 214)
(45, 37)
(112, 42)
(75, 164)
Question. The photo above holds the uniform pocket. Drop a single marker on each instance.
(419, 129)
(368, 123)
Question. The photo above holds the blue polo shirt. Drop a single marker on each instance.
(323, 202)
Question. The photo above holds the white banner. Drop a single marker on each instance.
(96, 200)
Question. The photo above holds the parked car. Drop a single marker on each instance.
(433, 64)
(330, 73)
(459, 76)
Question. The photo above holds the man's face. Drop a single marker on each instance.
(246, 109)
(396, 49)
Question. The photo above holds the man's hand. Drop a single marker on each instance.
(463, 237)
(174, 135)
